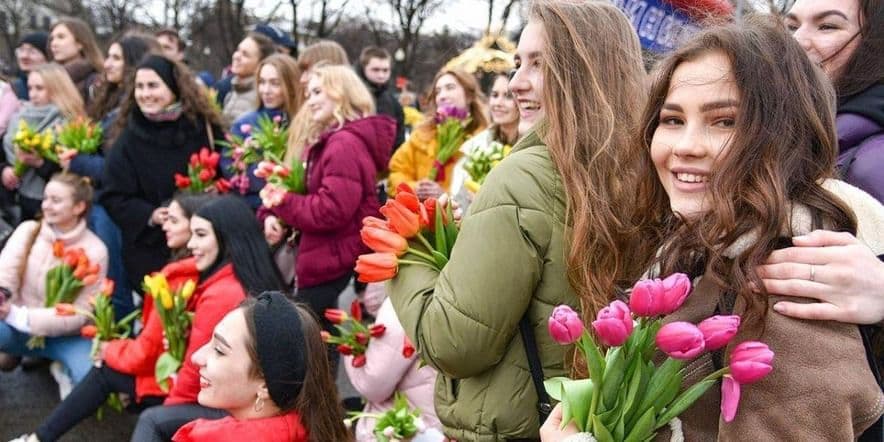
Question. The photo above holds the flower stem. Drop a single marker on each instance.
(424, 242)
(421, 255)
(420, 263)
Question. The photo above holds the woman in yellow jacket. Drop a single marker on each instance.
(412, 162)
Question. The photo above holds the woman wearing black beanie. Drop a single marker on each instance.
(266, 366)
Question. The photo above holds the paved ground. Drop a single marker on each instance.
(27, 397)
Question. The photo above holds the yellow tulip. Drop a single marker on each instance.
(471, 185)
(166, 299)
(188, 289)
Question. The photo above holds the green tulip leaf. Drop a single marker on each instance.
(594, 359)
(684, 401)
(669, 392)
(642, 428)
(600, 432)
(615, 367)
(553, 387)
(637, 374)
(166, 366)
(659, 381)
(578, 393)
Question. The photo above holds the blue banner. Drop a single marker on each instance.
(659, 25)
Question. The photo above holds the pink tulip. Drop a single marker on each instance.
(646, 297)
(730, 397)
(676, 288)
(751, 361)
(614, 324)
(565, 325)
(680, 340)
(718, 330)
(245, 128)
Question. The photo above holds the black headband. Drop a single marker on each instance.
(164, 68)
(282, 351)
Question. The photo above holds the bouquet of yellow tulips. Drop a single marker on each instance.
(171, 305)
(480, 162)
(29, 140)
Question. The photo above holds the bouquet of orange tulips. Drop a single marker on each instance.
(171, 305)
(424, 230)
(201, 174)
(64, 281)
(354, 335)
(81, 135)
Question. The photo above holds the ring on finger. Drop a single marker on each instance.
(812, 273)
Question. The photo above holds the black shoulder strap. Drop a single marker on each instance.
(544, 407)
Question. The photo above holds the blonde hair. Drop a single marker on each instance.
(62, 91)
(81, 188)
(289, 75)
(352, 102)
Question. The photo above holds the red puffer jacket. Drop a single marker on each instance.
(284, 428)
(138, 357)
(215, 297)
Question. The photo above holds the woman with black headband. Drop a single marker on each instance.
(261, 366)
(164, 119)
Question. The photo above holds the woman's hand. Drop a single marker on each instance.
(31, 159)
(834, 268)
(65, 156)
(159, 215)
(10, 181)
(428, 189)
(273, 230)
(550, 431)
(102, 351)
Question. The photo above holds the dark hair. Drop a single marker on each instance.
(865, 67)
(265, 45)
(172, 33)
(108, 96)
(318, 404)
(370, 52)
(195, 103)
(241, 241)
(189, 203)
(783, 145)
(83, 34)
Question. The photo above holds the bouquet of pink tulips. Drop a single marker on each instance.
(627, 396)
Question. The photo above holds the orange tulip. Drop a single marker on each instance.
(90, 279)
(58, 248)
(93, 269)
(376, 222)
(107, 287)
(89, 331)
(384, 241)
(409, 200)
(404, 188)
(70, 258)
(402, 220)
(376, 267)
(63, 309)
(82, 259)
(80, 272)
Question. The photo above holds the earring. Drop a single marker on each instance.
(259, 404)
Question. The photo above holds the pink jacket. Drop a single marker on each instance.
(9, 105)
(387, 371)
(30, 291)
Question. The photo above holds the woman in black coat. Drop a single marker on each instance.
(166, 118)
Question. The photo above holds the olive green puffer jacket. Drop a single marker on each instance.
(509, 259)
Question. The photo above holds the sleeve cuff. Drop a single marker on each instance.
(18, 318)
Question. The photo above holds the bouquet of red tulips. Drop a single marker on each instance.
(354, 335)
(426, 230)
(627, 396)
(451, 123)
(201, 174)
(64, 281)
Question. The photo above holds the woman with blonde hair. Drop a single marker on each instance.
(413, 161)
(72, 44)
(328, 51)
(547, 227)
(349, 145)
(279, 97)
(54, 99)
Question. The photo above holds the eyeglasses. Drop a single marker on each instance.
(26, 50)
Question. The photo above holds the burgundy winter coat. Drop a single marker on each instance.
(342, 172)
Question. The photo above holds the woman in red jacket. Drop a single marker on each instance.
(261, 366)
(348, 146)
(234, 261)
(127, 365)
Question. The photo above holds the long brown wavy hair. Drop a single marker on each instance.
(289, 75)
(865, 67)
(195, 104)
(784, 145)
(475, 101)
(133, 46)
(318, 404)
(85, 37)
(593, 81)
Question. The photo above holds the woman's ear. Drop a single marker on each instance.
(79, 208)
(263, 392)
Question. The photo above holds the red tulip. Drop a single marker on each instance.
(718, 330)
(107, 287)
(88, 331)
(358, 361)
(407, 348)
(222, 185)
(63, 309)
(206, 174)
(565, 325)
(402, 220)
(409, 200)
(58, 248)
(730, 397)
(356, 310)
(377, 330)
(181, 181)
(404, 188)
(376, 267)
(345, 349)
(361, 338)
(613, 324)
(194, 160)
(751, 361)
(680, 340)
(383, 241)
(335, 316)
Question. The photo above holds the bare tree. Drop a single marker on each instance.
(411, 15)
(329, 17)
(12, 24)
(504, 15)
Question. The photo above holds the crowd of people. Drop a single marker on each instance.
(749, 157)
